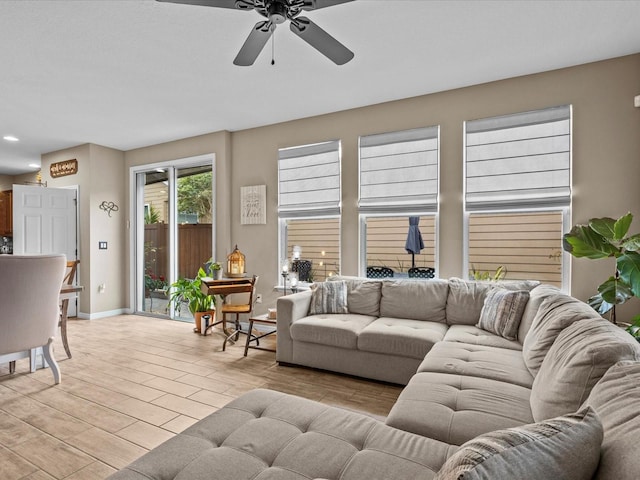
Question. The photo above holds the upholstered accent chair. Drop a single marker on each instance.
(30, 307)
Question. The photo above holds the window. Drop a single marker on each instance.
(518, 194)
(398, 180)
(309, 207)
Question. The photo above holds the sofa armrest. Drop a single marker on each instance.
(289, 309)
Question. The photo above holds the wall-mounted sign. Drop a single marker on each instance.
(60, 169)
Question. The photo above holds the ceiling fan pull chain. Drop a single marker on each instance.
(273, 49)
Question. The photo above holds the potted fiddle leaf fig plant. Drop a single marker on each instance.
(190, 291)
(609, 238)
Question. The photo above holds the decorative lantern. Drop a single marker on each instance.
(235, 263)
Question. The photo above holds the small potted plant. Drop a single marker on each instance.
(213, 269)
(191, 292)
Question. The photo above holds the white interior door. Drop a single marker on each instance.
(44, 222)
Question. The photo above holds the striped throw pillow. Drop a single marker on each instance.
(562, 448)
(328, 297)
(502, 312)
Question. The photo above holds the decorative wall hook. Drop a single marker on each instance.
(109, 207)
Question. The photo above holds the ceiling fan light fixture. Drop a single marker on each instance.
(277, 12)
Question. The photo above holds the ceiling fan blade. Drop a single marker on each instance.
(321, 40)
(235, 4)
(254, 44)
(317, 4)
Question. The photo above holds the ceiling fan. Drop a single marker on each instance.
(277, 12)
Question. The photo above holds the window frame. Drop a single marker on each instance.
(532, 207)
(381, 211)
(308, 214)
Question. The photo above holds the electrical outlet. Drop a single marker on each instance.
(259, 298)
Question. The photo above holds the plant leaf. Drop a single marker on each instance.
(604, 226)
(629, 268)
(632, 244)
(583, 241)
(621, 227)
(614, 291)
(599, 305)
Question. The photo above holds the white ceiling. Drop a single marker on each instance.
(132, 73)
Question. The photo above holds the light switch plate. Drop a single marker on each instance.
(102, 245)
(636, 101)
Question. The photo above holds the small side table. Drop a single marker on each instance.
(262, 320)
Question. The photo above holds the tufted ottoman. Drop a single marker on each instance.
(266, 435)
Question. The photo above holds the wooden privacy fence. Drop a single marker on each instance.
(194, 248)
(528, 245)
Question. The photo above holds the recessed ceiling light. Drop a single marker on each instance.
(34, 165)
(11, 138)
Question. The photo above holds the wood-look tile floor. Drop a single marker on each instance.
(134, 382)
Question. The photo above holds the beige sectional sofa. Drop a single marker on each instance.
(391, 325)
(561, 400)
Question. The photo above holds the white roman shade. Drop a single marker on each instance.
(309, 180)
(399, 171)
(519, 160)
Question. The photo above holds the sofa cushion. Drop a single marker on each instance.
(466, 298)
(555, 314)
(502, 312)
(476, 336)
(536, 296)
(338, 330)
(396, 336)
(615, 398)
(579, 357)
(266, 435)
(564, 448)
(457, 408)
(414, 299)
(363, 295)
(328, 297)
(477, 361)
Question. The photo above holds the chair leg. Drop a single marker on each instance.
(47, 350)
(235, 334)
(237, 327)
(63, 326)
(12, 367)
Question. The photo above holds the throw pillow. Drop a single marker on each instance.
(563, 448)
(328, 297)
(502, 312)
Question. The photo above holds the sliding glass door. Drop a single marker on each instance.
(174, 213)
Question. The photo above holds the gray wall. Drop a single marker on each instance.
(606, 162)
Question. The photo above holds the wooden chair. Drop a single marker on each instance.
(69, 279)
(29, 317)
(239, 298)
(70, 275)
